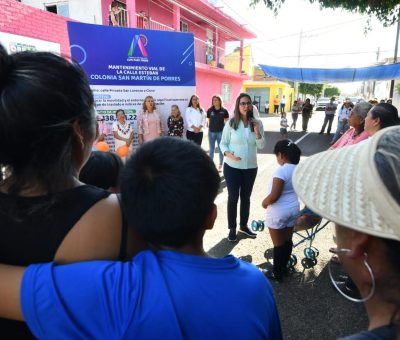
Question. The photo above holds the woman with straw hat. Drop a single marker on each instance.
(366, 220)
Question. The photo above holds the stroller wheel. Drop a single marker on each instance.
(308, 263)
(292, 261)
(316, 251)
(309, 253)
(257, 225)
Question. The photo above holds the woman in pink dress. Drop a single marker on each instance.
(149, 122)
(356, 133)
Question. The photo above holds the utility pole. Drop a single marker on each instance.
(374, 82)
(395, 55)
(296, 84)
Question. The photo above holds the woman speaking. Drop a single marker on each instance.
(241, 137)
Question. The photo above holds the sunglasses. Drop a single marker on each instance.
(245, 103)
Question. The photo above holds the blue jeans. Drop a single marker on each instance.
(212, 138)
(342, 127)
(239, 182)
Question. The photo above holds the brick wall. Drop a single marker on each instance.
(20, 19)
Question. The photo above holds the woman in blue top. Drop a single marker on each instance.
(241, 137)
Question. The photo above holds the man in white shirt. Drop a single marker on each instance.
(329, 115)
(343, 120)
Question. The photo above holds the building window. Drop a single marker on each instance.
(184, 26)
(60, 9)
(226, 92)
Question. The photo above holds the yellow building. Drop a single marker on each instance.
(262, 89)
(232, 61)
(265, 91)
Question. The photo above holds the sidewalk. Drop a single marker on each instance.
(308, 305)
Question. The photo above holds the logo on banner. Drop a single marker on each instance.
(137, 50)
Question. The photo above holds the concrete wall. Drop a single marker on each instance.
(209, 84)
(20, 19)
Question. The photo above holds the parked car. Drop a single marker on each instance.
(321, 103)
(355, 100)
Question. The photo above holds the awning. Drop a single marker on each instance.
(329, 75)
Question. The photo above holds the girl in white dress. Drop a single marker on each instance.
(282, 206)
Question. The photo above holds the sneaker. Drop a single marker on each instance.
(232, 235)
(247, 231)
(321, 133)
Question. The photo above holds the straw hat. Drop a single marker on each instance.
(344, 186)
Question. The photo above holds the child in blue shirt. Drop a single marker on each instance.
(173, 291)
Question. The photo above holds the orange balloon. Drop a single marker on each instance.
(122, 151)
(102, 146)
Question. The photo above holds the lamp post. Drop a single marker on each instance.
(395, 55)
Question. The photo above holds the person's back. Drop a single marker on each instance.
(174, 292)
(46, 133)
(164, 294)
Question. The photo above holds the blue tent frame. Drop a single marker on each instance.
(329, 75)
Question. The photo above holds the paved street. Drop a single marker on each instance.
(309, 306)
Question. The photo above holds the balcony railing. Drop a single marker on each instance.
(204, 53)
(141, 21)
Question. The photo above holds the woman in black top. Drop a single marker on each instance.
(306, 112)
(47, 130)
(217, 116)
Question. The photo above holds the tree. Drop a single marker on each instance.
(331, 91)
(386, 11)
(313, 89)
(398, 88)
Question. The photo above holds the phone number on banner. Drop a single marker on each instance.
(113, 118)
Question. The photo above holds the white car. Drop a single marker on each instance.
(321, 103)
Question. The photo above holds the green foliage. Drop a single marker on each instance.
(331, 91)
(386, 11)
(398, 88)
(313, 89)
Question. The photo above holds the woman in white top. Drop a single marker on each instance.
(195, 120)
(122, 130)
(282, 206)
(149, 122)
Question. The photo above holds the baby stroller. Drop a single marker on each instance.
(307, 226)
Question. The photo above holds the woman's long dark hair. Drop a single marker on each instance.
(235, 120)
(42, 97)
(190, 102)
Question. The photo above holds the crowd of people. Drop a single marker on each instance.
(92, 247)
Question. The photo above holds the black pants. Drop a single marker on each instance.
(195, 137)
(283, 107)
(328, 119)
(239, 182)
(276, 108)
(306, 117)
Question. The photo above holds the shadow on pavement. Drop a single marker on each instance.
(311, 144)
(308, 304)
(224, 247)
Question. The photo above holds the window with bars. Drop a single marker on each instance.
(184, 26)
(226, 92)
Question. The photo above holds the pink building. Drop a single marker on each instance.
(211, 27)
